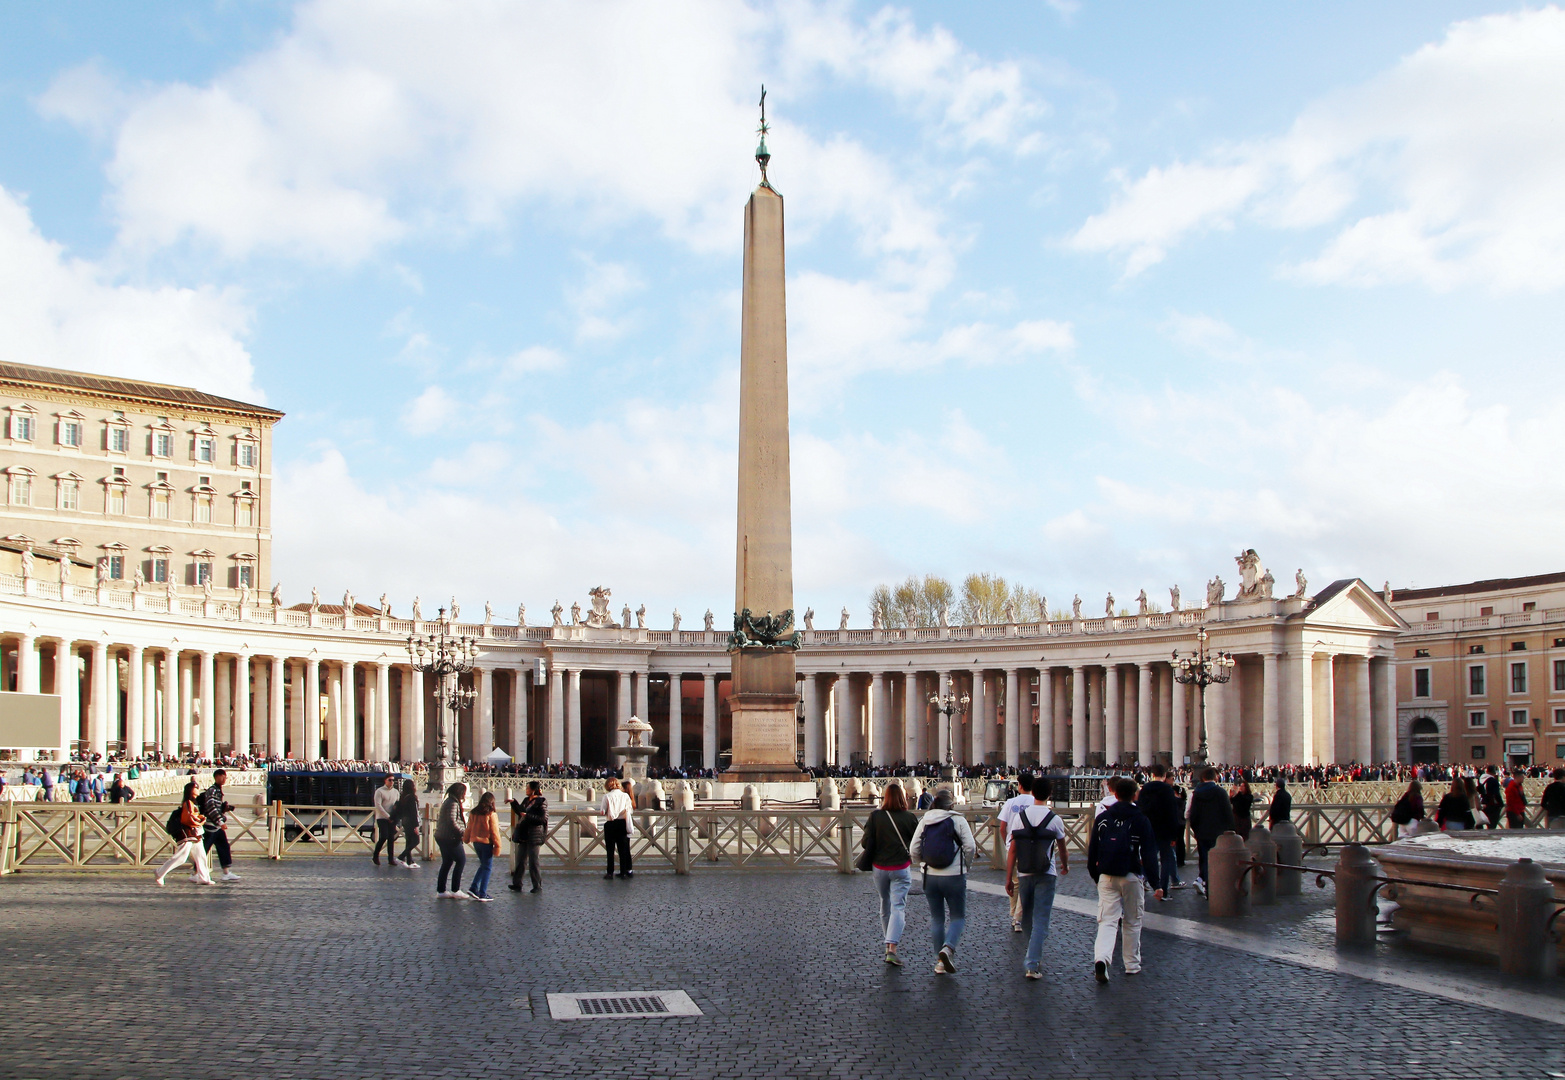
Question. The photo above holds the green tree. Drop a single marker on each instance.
(915, 602)
(986, 598)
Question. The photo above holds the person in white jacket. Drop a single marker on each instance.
(944, 847)
(385, 827)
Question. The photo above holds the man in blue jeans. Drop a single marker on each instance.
(1035, 855)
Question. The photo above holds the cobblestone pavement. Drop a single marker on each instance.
(331, 968)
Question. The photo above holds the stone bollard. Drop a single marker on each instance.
(1355, 896)
(872, 793)
(1290, 850)
(914, 788)
(1227, 894)
(707, 790)
(684, 798)
(1425, 826)
(1263, 879)
(829, 797)
(658, 800)
(851, 791)
(751, 799)
(1525, 904)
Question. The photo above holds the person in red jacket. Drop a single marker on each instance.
(1515, 802)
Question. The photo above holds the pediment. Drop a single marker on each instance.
(1351, 602)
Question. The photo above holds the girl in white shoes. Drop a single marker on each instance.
(186, 832)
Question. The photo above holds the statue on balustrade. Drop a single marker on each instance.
(707, 620)
(521, 615)
(171, 592)
(206, 586)
(1108, 606)
(641, 617)
(624, 617)
(1141, 603)
(874, 617)
(277, 593)
(1249, 574)
(65, 569)
(944, 617)
(418, 610)
(1010, 613)
(385, 607)
(843, 625)
(809, 618)
(315, 599)
(27, 561)
(1076, 606)
(676, 620)
(559, 614)
(1385, 592)
(1265, 586)
(575, 613)
(456, 609)
(1301, 585)
(103, 570)
(137, 579)
(349, 604)
(1043, 609)
(488, 613)
(244, 594)
(1215, 590)
(599, 616)
(1173, 598)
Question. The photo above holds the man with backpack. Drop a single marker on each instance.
(1118, 855)
(1161, 806)
(1035, 856)
(944, 846)
(1005, 816)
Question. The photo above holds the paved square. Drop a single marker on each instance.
(333, 968)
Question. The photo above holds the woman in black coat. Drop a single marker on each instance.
(405, 814)
(1242, 799)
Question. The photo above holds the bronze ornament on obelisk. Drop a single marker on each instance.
(763, 642)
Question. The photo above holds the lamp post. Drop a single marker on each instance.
(1202, 670)
(446, 658)
(949, 705)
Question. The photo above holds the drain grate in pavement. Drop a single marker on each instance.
(626, 1005)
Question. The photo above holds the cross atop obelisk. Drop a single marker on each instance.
(763, 642)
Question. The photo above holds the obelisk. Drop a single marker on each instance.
(764, 640)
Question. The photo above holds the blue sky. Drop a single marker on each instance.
(1092, 296)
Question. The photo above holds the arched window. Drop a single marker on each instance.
(1424, 741)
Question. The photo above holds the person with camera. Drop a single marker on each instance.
(215, 829)
(531, 829)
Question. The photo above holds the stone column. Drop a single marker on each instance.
(27, 664)
(1096, 678)
(1217, 721)
(1045, 717)
(208, 704)
(556, 750)
(639, 695)
(483, 718)
(880, 721)
(241, 734)
(814, 722)
(382, 722)
(978, 719)
(1326, 735)
(134, 701)
(942, 725)
(223, 703)
(67, 683)
(914, 708)
(573, 719)
(1078, 716)
(1013, 721)
(708, 721)
(1271, 725)
(333, 724)
(277, 716)
(1179, 744)
(1165, 707)
(1363, 714)
(626, 707)
(841, 709)
(368, 705)
(413, 722)
(1383, 707)
(98, 702)
(312, 709)
(151, 733)
(1113, 714)
(521, 690)
(296, 710)
(349, 709)
(187, 702)
(676, 721)
(1062, 741)
(170, 730)
(1145, 731)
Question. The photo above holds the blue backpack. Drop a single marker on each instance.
(939, 846)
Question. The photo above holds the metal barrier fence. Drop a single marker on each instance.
(86, 836)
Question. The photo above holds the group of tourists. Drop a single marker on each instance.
(1127, 856)
(1491, 799)
(456, 828)
(197, 826)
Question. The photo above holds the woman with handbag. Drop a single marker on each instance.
(1409, 810)
(887, 834)
(1455, 813)
(449, 828)
(186, 833)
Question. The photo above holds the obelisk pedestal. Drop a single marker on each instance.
(765, 696)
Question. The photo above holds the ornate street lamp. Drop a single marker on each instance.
(949, 705)
(1203, 669)
(446, 658)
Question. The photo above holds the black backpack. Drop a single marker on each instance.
(175, 827)
(1032, 843)
(1402, 812)
(1116, 847)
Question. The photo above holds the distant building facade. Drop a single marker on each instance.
(1481, 671)
(135, 478)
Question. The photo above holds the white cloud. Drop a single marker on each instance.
(59, 311)
(534, 358)
(1204, 334)
(1452, 161)
(603, 287)
(428, 413)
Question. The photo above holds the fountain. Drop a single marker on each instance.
(635, 752)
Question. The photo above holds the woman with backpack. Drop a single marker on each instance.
(1409, 810)
(405, 813)
(887, 836)
(944, 846)
(1455, 812)
(184, 827)
(1037, 854)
